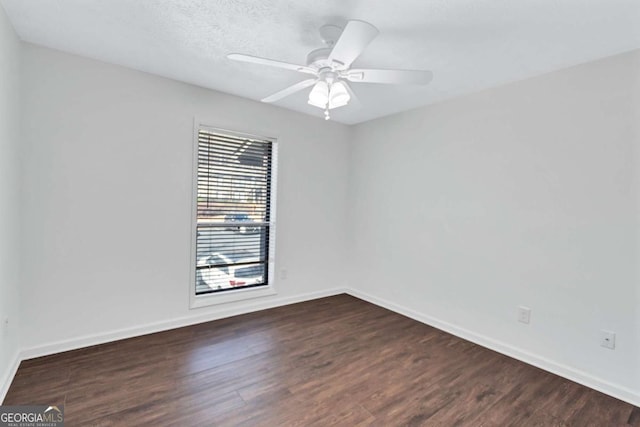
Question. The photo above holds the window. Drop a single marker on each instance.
(234, 242)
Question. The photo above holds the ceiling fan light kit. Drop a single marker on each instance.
(328, 96)
(331, 67)
(338, 95)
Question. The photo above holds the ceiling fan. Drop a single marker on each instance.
(331, 67)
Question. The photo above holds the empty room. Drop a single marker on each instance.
(313, 213)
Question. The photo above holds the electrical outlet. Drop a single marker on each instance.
(608, 339)
(524, 314)
(283, 274)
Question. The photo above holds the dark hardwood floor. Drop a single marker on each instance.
(332, 361)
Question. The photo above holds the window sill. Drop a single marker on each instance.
(198, 301)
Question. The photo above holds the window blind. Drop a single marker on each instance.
(233, 211)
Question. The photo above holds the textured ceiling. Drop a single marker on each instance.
(468, 44)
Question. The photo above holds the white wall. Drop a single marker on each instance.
(9, 199)
(458, 212)
(107, 179)
(525, 194)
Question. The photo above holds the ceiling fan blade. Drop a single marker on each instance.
(271, 62)
(355, 37)
(290, 90)
(408, 77)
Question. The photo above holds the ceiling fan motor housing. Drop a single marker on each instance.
(319, 58)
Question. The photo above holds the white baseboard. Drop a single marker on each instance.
(150, 328)
(95, 339)
(580, 377)
(617, 391)
(6, 379)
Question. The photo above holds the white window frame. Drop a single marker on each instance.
(228, 296)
